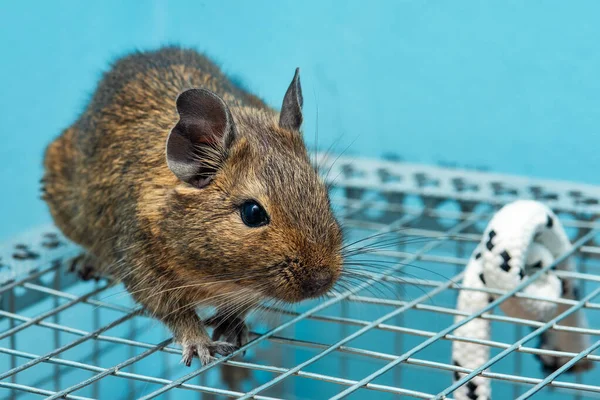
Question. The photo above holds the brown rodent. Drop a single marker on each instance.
(193, 192)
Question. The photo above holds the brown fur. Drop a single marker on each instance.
(175, 246)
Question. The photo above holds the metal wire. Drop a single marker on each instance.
(471, 317)
(528, 337)
(444, 229)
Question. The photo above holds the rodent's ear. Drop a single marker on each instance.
(291, 109)
(198, 144)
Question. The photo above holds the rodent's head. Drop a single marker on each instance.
(250, 210)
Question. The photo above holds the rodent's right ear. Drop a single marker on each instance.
(198, 144)
(291, 109)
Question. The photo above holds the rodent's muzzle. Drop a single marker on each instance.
(310, 273)
(317, 283)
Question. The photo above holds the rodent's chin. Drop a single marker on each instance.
(295, 298)
(309, 289)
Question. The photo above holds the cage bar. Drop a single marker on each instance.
(437, 216)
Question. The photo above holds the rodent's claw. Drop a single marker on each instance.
(83, 265)
(222, 348)
(206, 352)
(234, 330)
(190, 350)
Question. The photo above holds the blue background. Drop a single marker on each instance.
(511, 85)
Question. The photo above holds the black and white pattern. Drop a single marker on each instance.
(521, 238)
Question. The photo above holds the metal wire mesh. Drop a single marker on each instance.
(388, 334)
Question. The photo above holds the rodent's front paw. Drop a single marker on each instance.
(84, 266)
(205, 350)
(234, 330)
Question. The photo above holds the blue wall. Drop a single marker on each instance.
(509, 85)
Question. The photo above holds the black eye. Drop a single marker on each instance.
(253, 214)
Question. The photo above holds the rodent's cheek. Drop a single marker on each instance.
(233, 229)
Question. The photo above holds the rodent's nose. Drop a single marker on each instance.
(317, 282)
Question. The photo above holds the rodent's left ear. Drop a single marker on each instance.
(198, 144)
(291, 109)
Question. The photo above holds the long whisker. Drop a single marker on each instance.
(335, 161)
(375, 288)
(375, 235)
(389, 242)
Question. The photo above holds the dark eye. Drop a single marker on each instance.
(253, 214)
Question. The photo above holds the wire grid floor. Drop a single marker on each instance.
(386, 335)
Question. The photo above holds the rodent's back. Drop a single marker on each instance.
(96, 171)
(142, 88)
